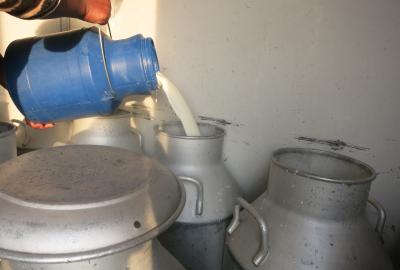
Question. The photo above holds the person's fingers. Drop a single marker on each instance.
(97, 11)
(93, 11)
(37, 125)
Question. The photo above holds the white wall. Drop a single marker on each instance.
(279, 69)
(283, 69)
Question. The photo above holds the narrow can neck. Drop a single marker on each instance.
(189, 151)
(174, 147)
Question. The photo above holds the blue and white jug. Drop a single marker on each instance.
(78, 73)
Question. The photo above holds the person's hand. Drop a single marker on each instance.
(37, 125)
(97, 11)
(93, 11)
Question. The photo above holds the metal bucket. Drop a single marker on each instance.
(198, 236)
(312, 216)
(8, 142)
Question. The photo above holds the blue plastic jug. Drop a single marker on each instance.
(78, 73)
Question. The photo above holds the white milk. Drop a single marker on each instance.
(179, 105)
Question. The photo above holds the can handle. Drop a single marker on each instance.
(263, 251)
(139, 134)
(25, 127)
(200, 193)
(380, 223)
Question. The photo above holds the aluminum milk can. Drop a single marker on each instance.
(8, 141)
(197, 238)
(114, 130)
(85, 207)
(312, 216)
(77, 73)
(29, 138)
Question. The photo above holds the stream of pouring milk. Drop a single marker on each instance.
(179, 105)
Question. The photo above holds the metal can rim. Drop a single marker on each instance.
(97, 253)
(364, 166)
(160, 129)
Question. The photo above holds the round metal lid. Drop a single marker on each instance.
(79, 202)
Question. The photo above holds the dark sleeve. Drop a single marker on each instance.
(29, 9)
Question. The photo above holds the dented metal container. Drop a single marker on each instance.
(86, 207)
(312, 216)
(197, 238)
(8, 141)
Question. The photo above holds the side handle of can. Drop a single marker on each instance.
(262, 253)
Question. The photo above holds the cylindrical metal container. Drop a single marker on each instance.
(8, 141)
(77, 73)
(148, 112)
(86, 207)
(197, 238)
(115, 130)
(312, 216)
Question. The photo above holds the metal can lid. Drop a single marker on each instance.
(79, 202)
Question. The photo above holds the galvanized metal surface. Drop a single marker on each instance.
(229, 262)
(197, 239)
(147, 256)
(115, 130)
(196, 246)
(199, 158)
(8, 143)
(314, 211)
(75, 203)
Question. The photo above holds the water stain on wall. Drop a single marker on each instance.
(219, 121)
(333, 144)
